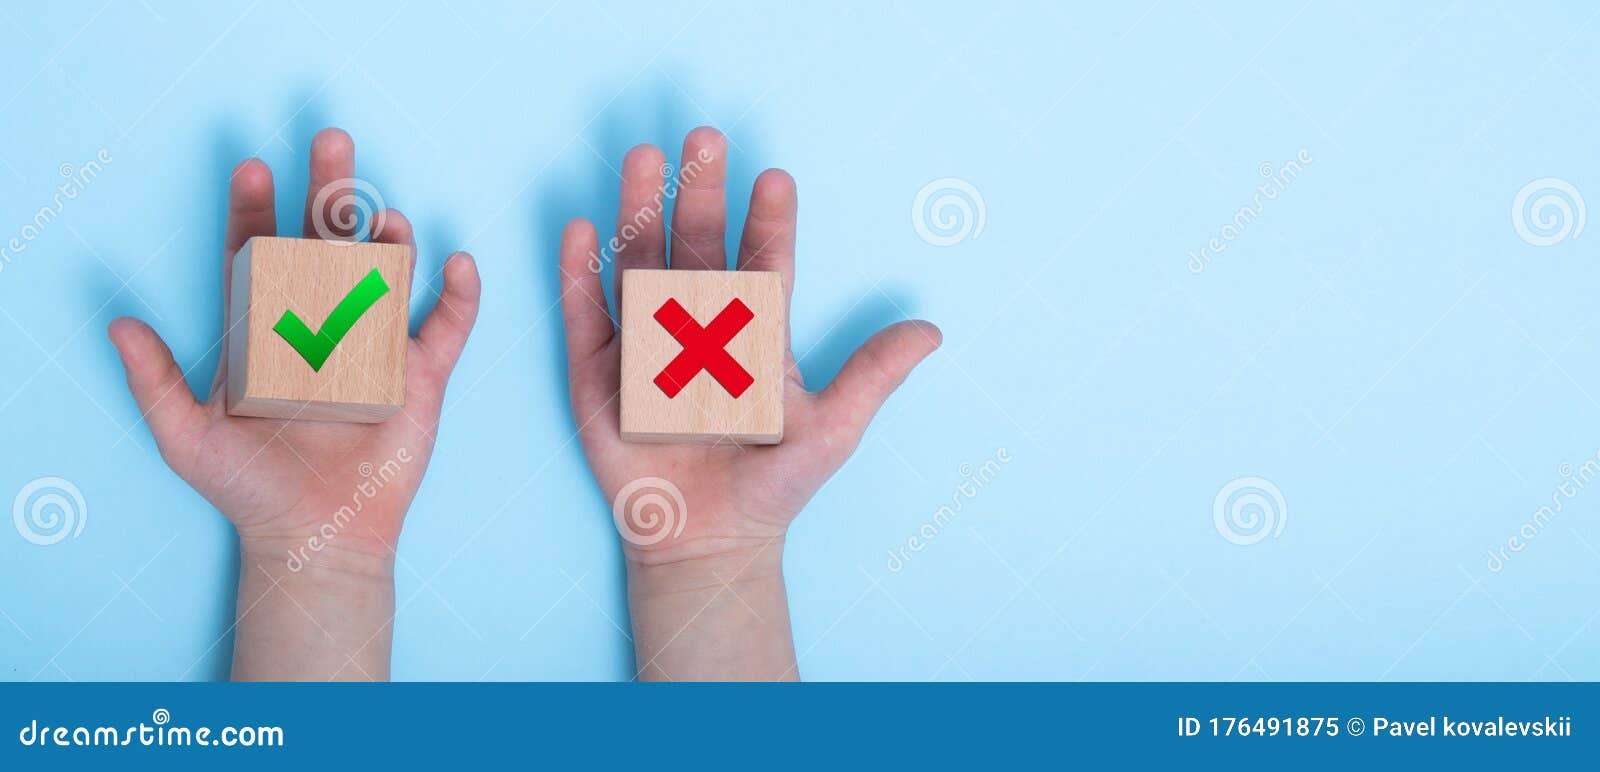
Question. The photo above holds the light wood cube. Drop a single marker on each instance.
(318, 329)
(703, 356)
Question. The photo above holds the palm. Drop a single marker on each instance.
(734, 496)
(244, 466)
(279, 477)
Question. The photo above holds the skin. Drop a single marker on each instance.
(709, 604)
(332, 618)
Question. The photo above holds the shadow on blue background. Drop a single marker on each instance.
(1379, 342)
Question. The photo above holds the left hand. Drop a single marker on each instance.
(280, 481)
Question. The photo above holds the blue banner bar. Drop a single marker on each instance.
(711, 726)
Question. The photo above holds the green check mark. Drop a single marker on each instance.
(315, 347)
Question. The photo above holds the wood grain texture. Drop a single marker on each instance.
(364, 378)
(704, 411)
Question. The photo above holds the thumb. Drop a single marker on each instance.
(874, 371)
(158, 386)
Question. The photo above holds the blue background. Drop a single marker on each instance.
(1380, 343)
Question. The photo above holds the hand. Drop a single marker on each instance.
(280, 482)
(739, 500)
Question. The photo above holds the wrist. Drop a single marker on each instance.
(652, 574)
(353, 540)
(326, 617)
(719, 616)
(283, 555)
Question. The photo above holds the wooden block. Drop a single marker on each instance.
(363, 377)
(684, 379)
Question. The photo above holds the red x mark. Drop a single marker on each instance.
(704, 348)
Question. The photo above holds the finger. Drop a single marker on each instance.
(874, 371)
(444, 333)
(769, 228)
(250, 208)
(591, 373)
(583, 302)
(700, 215)
(250, 213)
(158, 386)
(391, 227)
(330, 210)
(641, 239)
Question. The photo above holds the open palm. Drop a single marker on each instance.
(736, 498)
(282, 480)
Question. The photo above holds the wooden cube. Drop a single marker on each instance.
(703, 356)
(318, 330)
